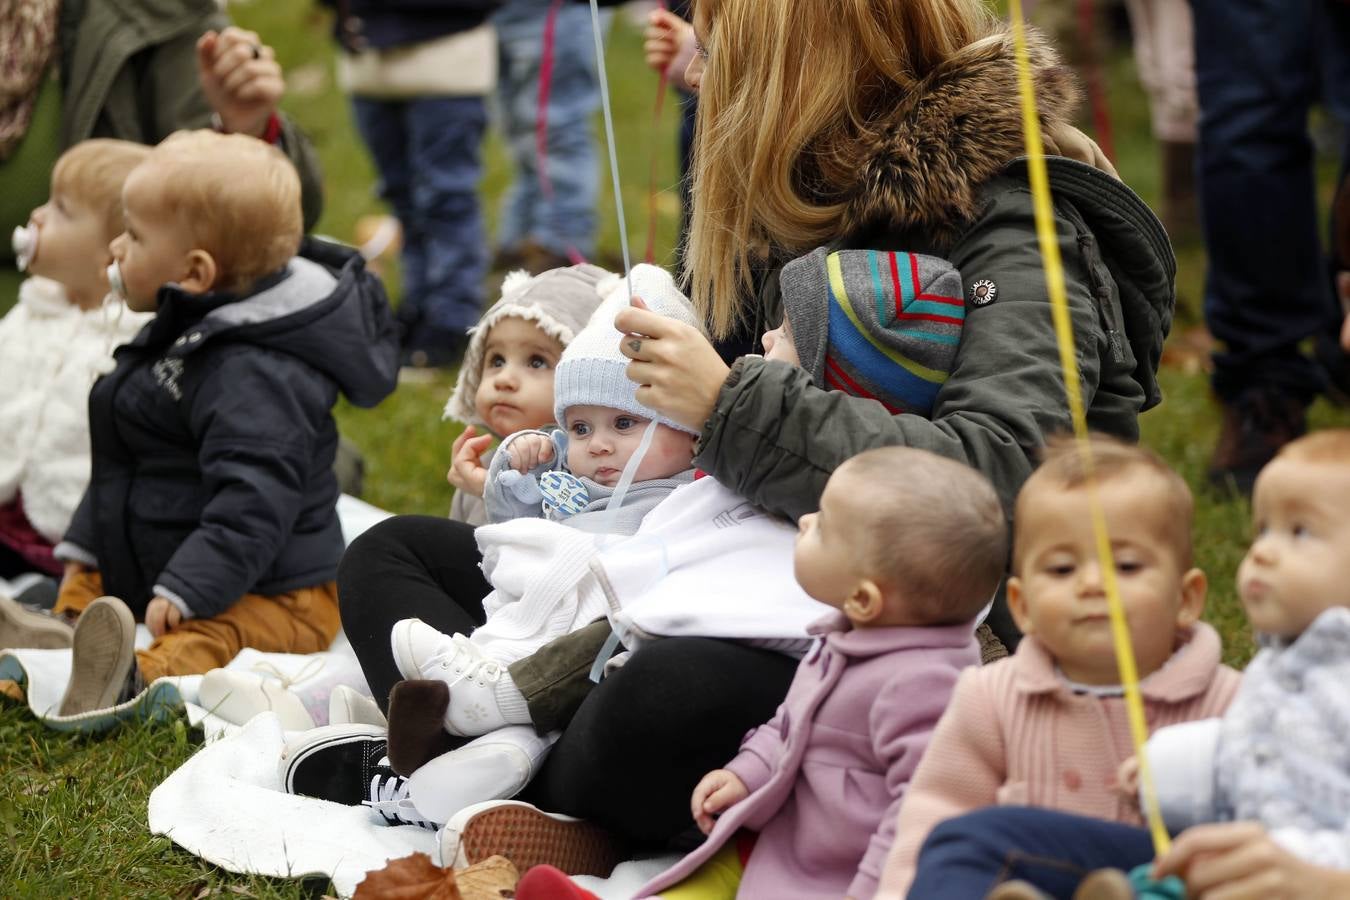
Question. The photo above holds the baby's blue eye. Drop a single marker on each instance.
(1299, 530)
(538, 362)
(496, 361)
(581, 429)
(623, 423)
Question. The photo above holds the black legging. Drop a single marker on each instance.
(631, 756)
(407, 567)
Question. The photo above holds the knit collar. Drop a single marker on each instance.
(840, 635)
(1321, 642)
(1189, 672)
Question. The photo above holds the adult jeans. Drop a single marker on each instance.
(427, 151)
(969, 855)
(1260, 64)
(563, 220)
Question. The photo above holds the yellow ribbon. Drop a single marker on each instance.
(1059, 307)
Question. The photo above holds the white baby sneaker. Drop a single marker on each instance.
(238, 696)
(421, 651)
(496, 766)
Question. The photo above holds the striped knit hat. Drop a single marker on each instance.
(876, 324)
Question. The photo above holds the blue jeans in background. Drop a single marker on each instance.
(1260, 65)
(427, 151)
(567, 222)
(966, 857)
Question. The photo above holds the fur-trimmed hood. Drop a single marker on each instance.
(923, 164)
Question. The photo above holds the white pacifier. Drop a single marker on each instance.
(116, 285)
(25, 243)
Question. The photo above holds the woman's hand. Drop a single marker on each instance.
(720, 789)
(241, 79)
(1239, 861)
(528, 451)
(467, 472)
(678, 372)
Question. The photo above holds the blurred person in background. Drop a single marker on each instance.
(549, 214)
(418, 72)
(1260, 65)
(134, 70)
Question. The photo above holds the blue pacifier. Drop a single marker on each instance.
(25, 243)
(563, 492)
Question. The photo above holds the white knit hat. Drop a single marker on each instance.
(559, 301)
(592, 371)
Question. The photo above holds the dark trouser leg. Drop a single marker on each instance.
(407, 567)
(644, 737)
(1266, 290)
(969, 855)
(444, 135)
(556, 678)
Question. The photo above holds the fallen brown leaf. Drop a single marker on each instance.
(413, 877)
(491, 879)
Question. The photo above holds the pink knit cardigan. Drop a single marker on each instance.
(1016, 734)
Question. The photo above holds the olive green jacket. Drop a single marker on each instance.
(946, 178)
(129, 71)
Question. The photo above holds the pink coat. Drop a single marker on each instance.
(826, 774)
(1016, 734)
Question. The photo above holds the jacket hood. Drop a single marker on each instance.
(330, 313)
(923, 164)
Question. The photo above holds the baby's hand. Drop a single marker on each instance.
(530, 450)
(719, 790)
(162, 616)
(1127, 781)
(467, 472)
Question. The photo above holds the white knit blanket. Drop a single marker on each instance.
(542, 585)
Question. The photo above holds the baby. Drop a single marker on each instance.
(566, 478)
(1277, 758)
(53, 344)
(907, 548)
(506, 382)
(1047, 727)
(211, 515)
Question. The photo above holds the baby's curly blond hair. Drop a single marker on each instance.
(237, 196)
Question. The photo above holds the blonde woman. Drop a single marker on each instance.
(883, 126)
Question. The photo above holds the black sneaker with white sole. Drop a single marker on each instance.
(333, 762)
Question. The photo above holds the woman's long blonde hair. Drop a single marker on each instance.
(789, 89)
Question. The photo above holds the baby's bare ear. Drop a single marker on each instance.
(866, 604)
(1194, 588)
(1017, 605)
(201, 273)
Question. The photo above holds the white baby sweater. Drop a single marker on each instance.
(51, 352)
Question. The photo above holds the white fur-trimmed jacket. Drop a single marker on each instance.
(51, 352)
(1279, 755)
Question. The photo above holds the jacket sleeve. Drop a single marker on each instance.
(901, 723)
(1181, 758)
(256, 420)
(962, 770)
(78, 543)
(761, 751)
(774, 438)
(178, 103)
(506, 498)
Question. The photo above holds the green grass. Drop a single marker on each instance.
(73, 812)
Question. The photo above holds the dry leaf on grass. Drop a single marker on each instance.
(416, 877)
(413, 877)
(491, 879)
